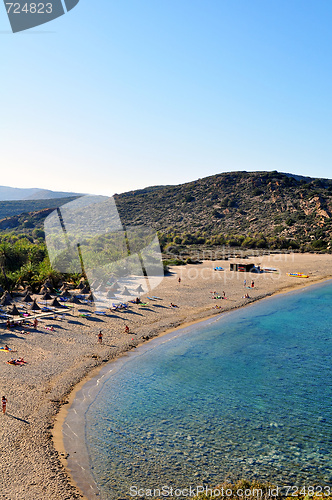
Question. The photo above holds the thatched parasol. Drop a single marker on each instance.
(34, 306)
(55, 303)
(125, 292)
(13, 311)
(115, 287)
(47, 296)
(85, 290)
(65, 294)
(48, 283)
(27, 298)
(140, 289)
(75, 300)
(90, 298)
(6, 299)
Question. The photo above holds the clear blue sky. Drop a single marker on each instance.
(123, 94)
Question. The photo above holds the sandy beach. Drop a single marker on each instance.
(32, 467)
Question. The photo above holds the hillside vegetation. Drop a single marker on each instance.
(238, 210)
(14, 213)
(244, 209)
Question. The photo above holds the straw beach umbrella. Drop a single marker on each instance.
(13, 311)
(34, 306)
(126, 292)
(75, 300)
(6, 299)
(27, 298)
(81, 284)
(55, 303)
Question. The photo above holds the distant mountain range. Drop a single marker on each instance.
(240, 209)
(10, 193)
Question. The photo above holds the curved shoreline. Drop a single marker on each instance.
(205, 315)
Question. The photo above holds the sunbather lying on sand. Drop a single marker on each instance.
(19, 361)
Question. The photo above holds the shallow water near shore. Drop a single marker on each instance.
(244, 395)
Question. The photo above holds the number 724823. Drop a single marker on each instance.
(29, 8)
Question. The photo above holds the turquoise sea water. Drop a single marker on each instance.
(245, 395)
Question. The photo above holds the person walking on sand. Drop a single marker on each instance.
(100, 337)
(127, 329)
(245, 283)
(179, 280)
(252, 284)
(4, 404)
(35, 323)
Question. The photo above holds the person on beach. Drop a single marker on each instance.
(179, 280)
(35, 323)
(173, 305)
(127, 329)
(100, 337)
(8, 324)
(4, 404)
(252, 284)
(245, 283)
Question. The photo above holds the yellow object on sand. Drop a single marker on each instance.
(298, 275)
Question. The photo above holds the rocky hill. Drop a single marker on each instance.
(248, 209)
(239, 209)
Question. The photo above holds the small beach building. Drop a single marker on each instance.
(241, 267)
